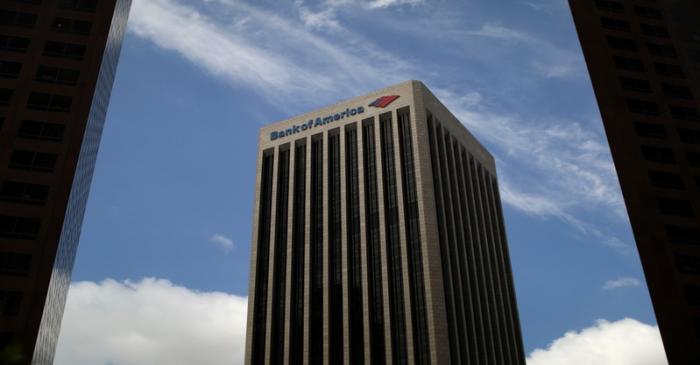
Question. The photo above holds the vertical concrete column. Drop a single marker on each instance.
(383, 240)
(403, 247)
(430, 241)
(363, 243)
(290, 229)
(253, 255)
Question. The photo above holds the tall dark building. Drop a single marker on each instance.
(644, 60)
(378, 239)
(57, 65)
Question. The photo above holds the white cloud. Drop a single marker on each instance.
(150, 322)
(276, 56)
(547, 59)
(222, 241)
(621, 283)
(624, 342)
(375, 4)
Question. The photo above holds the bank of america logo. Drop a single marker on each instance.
(384, 101)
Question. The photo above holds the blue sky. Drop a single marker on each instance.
(168, 223)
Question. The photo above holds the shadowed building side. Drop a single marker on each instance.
(58, 60)
(644, 61)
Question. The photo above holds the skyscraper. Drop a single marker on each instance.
(57, 64)
(378, 238)
(643, 57)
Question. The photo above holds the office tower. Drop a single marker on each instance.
(643, 57)
(378, 238)
(57, 65)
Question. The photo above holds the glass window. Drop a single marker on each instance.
(613, 6)
(615, 24)
(50, 102)
(668, 70)
(19, 227)
(666, 180)
(650, 130)
(15, 264)
(631, 64)
(78, 5)
(658, 154)
(624, 44)
(642, 107)
(17, 18)
(632, 84)
(41, 130)
(72, 26)
(9, 69)
(14, 44)
(677, 91)
(64, 50)
(677, 207)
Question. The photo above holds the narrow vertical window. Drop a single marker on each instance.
(354, 252)
(316, 252)
(374, 263)
(296, 320)
(393, 242)
(280, 260)
(261, 266)
(447, 275)
(335, 284)
(413, 243)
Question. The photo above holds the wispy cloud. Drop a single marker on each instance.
(623, 342)
(373, 4)
(546, 58)
(222, 241)
(621, 283)
(570, 164)
(257, 49)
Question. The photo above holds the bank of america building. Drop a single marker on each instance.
(379, 238)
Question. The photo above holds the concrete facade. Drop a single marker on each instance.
(415, 197)
(644, 61)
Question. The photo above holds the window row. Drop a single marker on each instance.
(644, 86)
(47, 74)
(33, 161)
(670, 180)
(15, 264)
(650, 108)
(666, 155)
(618, 7)
(16, 191)
(40, 101)
(19, 227)
(51, 48)
(655, 49)
(635, 64)
(75, 5)
(624, 26)
(59, 24)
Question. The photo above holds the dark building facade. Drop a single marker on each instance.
(57, 64)
(643, 57)
(379, 239)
